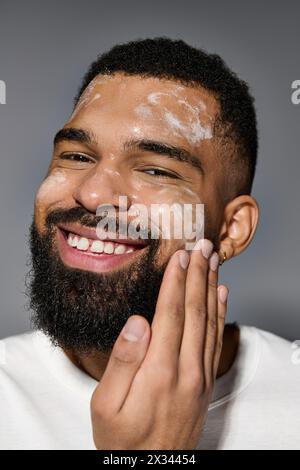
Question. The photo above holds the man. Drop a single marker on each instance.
(130, 349)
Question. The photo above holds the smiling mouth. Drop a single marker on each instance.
(92, 254)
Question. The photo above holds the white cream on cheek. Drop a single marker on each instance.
(51, 184)
(57, 182)
(177, 199)
(53, 189)
(166, 198)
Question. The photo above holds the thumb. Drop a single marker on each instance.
(126, 357)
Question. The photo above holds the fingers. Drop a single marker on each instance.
(222, 292)
(127, 355)
(212, 316)
(205, 311)
(168, 321)
(193, 341)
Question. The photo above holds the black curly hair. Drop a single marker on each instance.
(175, 60)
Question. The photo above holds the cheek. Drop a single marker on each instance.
(54, 191)
(179, 227)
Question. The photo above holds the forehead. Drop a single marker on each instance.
(162, 106)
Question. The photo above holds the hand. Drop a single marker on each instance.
(155, 391)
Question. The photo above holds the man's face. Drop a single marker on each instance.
(150, 140)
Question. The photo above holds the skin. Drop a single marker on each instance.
(181, 353)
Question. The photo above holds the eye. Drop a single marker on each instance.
(76, 157)
(161, 173)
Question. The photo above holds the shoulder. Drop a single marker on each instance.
(23, 341)
(18, 351)
(278, 358)
(274, 346)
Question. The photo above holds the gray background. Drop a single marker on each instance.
(45, 48)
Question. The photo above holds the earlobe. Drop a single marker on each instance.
(223, 257)
(241, 217)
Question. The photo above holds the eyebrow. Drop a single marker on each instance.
(174, 152)
(146, 145)
(75, 134)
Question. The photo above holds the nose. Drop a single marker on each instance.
(102, 185)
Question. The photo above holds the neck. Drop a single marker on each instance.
(95, 365)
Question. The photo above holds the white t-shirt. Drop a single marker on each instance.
(45, 398)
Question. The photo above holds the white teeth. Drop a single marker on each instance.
(120, 249)
(75, 241)
(97, 246)
(108, 248)
(72, 240)
(83, 244)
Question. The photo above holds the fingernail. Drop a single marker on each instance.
(184, 259)
(134, 329)
(223, 294)
(214, 261)
(205, 246)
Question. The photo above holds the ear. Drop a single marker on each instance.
(241, 217)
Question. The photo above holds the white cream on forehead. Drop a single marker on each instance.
(137, 131)
(143, 110)
(193, 132)
(155, 96)
(192, 129)
(96, 97)
(85, 99)
(200, 105)
(83, 103)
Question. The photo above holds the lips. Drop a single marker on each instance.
(79, 247)
(90, 233)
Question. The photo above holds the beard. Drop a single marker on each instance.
(80, 311)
